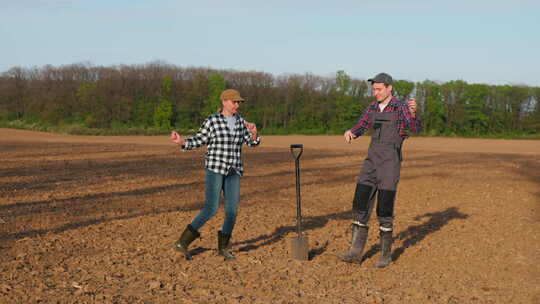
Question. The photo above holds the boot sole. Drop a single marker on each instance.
(350, 260)
(228, 256)
(381, 265)
(183, 251)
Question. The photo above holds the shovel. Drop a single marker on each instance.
(299, 244)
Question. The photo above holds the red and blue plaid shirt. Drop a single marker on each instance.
(404, 122)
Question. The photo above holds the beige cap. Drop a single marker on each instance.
(231, 94)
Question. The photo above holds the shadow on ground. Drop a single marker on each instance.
(411, 236)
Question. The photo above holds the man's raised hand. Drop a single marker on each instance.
(412, 106)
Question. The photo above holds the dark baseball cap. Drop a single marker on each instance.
(382, 78)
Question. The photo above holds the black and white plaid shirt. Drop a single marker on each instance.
(224, 145)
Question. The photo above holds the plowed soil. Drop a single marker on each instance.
(92, 220)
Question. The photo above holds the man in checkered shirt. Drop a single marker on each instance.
(224, 133)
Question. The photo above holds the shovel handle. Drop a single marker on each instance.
(296, 154)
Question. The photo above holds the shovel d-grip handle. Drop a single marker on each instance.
(298, 198)
(295, 154)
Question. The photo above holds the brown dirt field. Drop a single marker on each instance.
(92, 219)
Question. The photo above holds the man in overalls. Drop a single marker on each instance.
(390, 119)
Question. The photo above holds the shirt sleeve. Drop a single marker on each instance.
(247, 137)
(363, 123)
(252, 143)
(202, 137)
(413, 124)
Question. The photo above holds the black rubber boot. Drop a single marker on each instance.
(358, 241)
(223, 246)
(188, 236)
(386, 249)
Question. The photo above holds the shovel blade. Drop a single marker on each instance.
(300, 248)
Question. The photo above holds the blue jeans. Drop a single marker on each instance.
(215, 183)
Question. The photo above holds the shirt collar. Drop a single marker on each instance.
(393, 102)
(223, 116)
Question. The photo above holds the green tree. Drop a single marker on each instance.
(434, 118)
(533, 119)
(453, 98)
(403, 89)
(143, 112)
(343, 82)
(346, 107)
(163, 114)
(212, 103)
(190, 105)
(91, 111)
(475, 96)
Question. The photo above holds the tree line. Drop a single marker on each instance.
(157, 97)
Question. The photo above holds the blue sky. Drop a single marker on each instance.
(493, 42)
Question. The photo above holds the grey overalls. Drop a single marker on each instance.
(380, 172)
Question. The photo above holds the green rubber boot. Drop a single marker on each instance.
(386, 249)
(223, 246)
(358, 241)
(182, 244)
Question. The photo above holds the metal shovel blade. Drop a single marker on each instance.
(300, 248)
